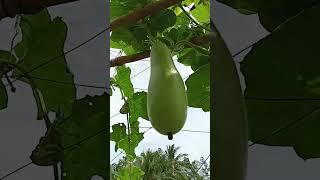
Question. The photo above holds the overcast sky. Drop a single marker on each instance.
(19, 129)
(265, 162)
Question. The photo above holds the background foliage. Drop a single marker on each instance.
(161, 164)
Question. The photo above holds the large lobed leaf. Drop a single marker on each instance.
(198, 88)
(160, 21)
(127, 142)
(135, 106)
(285, 65)
(138, 106)
(191, 57)
(123, 81)
(202, 11)
(136, 103)
(35, 50)
(78, 141)
(130, 40)
(87, 124)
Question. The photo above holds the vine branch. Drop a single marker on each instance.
(127, 59)
(199, 40)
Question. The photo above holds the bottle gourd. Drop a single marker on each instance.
(230, 129)
(167, 99)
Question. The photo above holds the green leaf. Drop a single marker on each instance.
(177, 34)
(202, 12)
(132, 38)
(286, 73)
(177, 10)
(198, 88)
(6, 58)
(191, 57)
(123, 7)
(162, 20)
(49, 151)
(87, 124)
(130, 172)
(35, 50)
(182, 21)
(188, 2)
(118, 133)
(121, 138)
(120, 8)
(135, 138)
(125, 108)
(138, 106)
(129, 39)
(126, 48)
(139, 33)
(271, 13)
(123, 81)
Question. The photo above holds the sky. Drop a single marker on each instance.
(264, 162)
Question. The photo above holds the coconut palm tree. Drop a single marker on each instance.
(174, 160)
(166, 165)
(152, 163)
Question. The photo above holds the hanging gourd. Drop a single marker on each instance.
(167, 99)
(230, 136)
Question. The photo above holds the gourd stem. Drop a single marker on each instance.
(150, 36)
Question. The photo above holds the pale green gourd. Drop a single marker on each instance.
(167, 99)
(230, 135)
